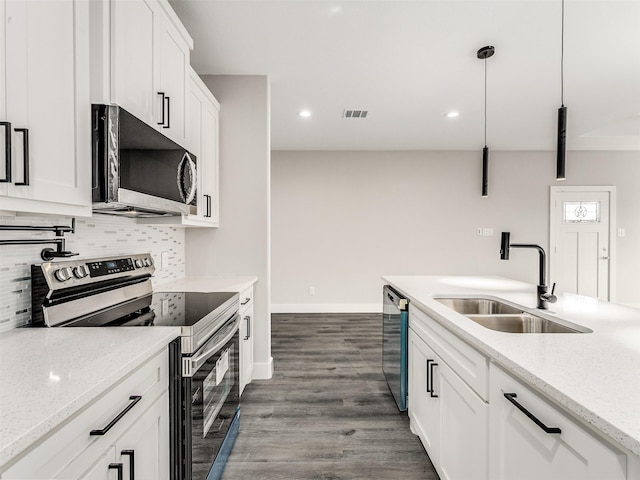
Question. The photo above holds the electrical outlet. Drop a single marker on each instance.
(479, 231)
(487, 232)
(164, 307)
(312, 290)
(621, 232)
(164, 260)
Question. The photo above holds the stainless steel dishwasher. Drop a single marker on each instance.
(395, 325)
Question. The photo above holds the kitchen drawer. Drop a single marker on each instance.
(471, 365)
(72, 439)
(522, 449)
(246, 299)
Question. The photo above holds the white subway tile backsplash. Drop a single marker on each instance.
(99, 236)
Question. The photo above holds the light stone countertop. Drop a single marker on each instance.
(596, 376)
(207, 284)
(48, 374)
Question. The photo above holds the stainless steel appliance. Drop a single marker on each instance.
(204, 385)
(137, 171)
(395, 329)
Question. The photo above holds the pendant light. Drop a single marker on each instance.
(483, 54)
(562, 115)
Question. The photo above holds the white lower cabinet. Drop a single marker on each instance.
(522, 450)
(135, 433)
(448, 416)
(246, 337)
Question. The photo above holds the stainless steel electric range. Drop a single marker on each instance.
(204, 385)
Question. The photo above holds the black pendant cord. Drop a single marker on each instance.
(485, 102)
(561, 150)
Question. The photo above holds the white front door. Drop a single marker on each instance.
(581, 222)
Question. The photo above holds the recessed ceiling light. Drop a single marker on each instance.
(452, 114)
(304, 113)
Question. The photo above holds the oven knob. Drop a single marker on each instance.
(147, 262)
(63, 274)
(139, 263)
(80, 271)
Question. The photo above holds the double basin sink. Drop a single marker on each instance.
(502, 317)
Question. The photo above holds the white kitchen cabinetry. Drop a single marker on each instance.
(203, 112)
(140, 436)
(246, 337)
(150, 52)
(522, 449)
(450, 418)
(45, 107)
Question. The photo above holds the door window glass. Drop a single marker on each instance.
(581, 212)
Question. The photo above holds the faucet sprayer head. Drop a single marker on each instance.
(504, 245)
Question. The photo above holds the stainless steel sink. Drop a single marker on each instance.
(506, 318)
(523, 323)
(478, 306)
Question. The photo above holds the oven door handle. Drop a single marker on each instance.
(190, 365)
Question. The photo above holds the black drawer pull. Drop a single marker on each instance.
(163, 113)
(208, 205)
(118, 468)
(131, 455)
(7, 151)
(25, 155)
(134, 399)
(246, 300)
(168, 125)
(432, 391)
(428, 369)
(248, 319)
(512, 398)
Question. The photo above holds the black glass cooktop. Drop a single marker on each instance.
(175, 309)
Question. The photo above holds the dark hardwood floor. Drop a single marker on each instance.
(327, 413)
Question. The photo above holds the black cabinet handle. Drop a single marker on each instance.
(428, 369)
(432, 392)
(117, 467)
(131, 455)
(25, 155)
(512, 398)
(248, 319)
(168, 99)
(7, 151)
(134, 399)
(246, 300)
(208, 214)
(163, 115)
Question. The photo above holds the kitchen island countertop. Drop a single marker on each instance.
(593, 375)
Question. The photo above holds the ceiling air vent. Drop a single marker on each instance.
(355, 113)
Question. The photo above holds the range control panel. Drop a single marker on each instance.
(83, 272)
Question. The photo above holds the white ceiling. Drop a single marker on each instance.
(410, 62)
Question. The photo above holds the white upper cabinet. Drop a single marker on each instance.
(201, 128)
(150, 53)
(45, 150)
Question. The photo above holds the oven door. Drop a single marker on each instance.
(211, 403)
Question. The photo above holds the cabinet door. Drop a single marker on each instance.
(173, 58)
(4, 129)
(246, 347)
(522, 450)
(145, 445)
(210, 163)
(132, 63)
(103, 468)
(47, 102)
(424, 406)
(464, 423)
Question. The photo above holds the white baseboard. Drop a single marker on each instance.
(326, 308)
(263, 371)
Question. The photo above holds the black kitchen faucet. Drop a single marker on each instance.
(543, 298)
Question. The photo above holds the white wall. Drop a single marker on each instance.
(340, 220)
(241, 246)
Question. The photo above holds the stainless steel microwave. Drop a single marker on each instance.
(137, 171)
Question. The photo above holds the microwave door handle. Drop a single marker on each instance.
(191, 365)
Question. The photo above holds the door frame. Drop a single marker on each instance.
(554, 194)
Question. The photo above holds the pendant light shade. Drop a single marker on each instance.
(561, 149)
(483, 54)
